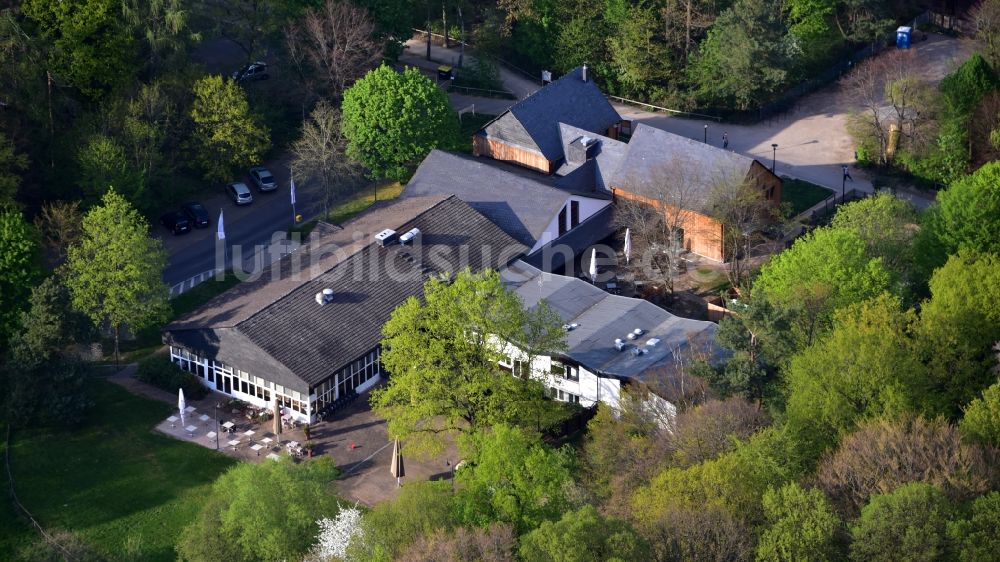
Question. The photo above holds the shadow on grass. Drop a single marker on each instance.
(111, 479)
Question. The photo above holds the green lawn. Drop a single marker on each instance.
(801, 195)
(112, 480)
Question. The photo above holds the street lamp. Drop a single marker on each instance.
(706, 134)
(774, 154)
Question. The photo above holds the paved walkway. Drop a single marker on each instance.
(812, 139)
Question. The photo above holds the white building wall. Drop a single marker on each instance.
(589, 388)
(588, 208)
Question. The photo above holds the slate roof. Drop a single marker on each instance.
(701, 165)
(521, 202)
(533, 123)
(596, 173)
(603, 317)
(277, 330)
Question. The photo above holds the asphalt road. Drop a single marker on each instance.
(247, 225)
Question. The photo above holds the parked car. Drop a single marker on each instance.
(253, 71)
(176, 222)
(262, 177)
(240, 193)
(196, 213)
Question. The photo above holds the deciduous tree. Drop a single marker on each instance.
(887, 226)
(801, 526)
(908, 523)
(19, 269)
(492, 544)
(866, 366)
(975, 537)
(823, 271)
(59, 223)
(320, 155)
(883, 455)
(968, 213)
(265, 511)
(981, 421)
(583, 536)
(333, 46)
(115, 272)
(392, 120)
(226, 136)
(421, 508)
(443, 354)
(11, 163)
(513, 478)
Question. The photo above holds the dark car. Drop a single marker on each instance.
(196, 212)
(176, 221)
(253, 71)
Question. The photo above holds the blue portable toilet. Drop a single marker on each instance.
(903, 37)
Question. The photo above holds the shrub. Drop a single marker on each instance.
(158, 371)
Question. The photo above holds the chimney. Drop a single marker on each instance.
(584, 72)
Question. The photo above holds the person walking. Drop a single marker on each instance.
(725, 140)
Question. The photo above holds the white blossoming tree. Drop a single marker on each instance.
(336, 534)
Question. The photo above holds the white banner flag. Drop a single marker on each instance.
(222, 228)
(292, 181)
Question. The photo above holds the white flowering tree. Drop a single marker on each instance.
(336, 534)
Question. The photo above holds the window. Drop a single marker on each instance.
(574, 214)
(558, 369)
(521, 368)
(572, 373)
(562, 221)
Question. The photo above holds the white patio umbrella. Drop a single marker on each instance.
(628, 244)
(396, 468)
(181, 404)
(277, 420)
(593, 265)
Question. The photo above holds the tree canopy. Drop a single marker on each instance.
(802, 526)
(263, 511)
(226, 135)
(969, 214)
(443, 356)
(115, 272)
(19, 269)
(908, 523)
(583, 536)
(392, 120)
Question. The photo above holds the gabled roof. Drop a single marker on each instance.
(521, 202)
(596, 173)
(533, 123)
(603, 317)
(703, 166)
(278, 327)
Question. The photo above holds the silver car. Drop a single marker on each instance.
(263, 179)
(240, 193)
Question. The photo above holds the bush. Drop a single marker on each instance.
(160, 372)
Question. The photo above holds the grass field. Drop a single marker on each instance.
(801, 194)
(112, 480)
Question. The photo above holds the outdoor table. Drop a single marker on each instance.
(234, 443)
(256, 448)
(191, 429)
(211, 435)
(229, 426)
(273, 456)
(204, 417)
(189, 409)
(249, 432)
(267, 440)
(172, 420)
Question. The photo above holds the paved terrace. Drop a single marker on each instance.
(355, 438)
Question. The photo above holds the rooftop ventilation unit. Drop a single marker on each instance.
(619, 344)
(319, 299)
(637, 351)
(638, 332)
(652, 342)
(385, 237)
(570, 327)
(410, 237)
(328, 294)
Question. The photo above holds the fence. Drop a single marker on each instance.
(658, 108)
(482, 92)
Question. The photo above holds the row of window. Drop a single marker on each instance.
(349, 378)
(562, 396)
(562, 370)
(228, 380)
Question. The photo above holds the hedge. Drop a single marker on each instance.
(158, 371)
